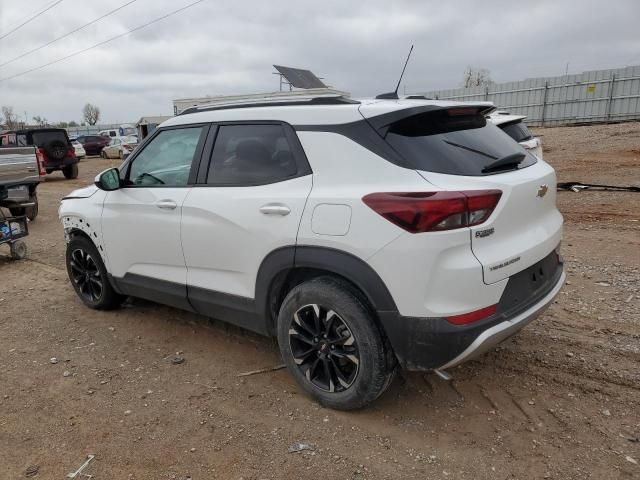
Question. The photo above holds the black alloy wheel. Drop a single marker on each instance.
(324, 348)
(85, 273)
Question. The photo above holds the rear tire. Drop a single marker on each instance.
(32, 212)
(332, 345)
(89, 277)
(103, 155)
(71, 171)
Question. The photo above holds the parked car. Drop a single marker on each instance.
(21, 170)
(363, 235)
(124, 130)
(514, 126)
(119, 147)
(78, 149)
(93, 144)
(53, 145)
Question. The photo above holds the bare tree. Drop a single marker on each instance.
(91, 114)
(476, 77)
(40, 121)
(10, 118)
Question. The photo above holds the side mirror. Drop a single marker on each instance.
(108, 180)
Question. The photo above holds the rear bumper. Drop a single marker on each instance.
(51, 165)
(434, 343)
(500, 332)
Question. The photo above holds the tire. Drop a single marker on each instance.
(49, 170)
(352, 362)
(19, 250)
(32, 212)
(103, 154)
(71, 171)
(56, 150)
(89, 277)
(120, 154)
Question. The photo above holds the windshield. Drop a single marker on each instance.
(125, 131)
(455, 142)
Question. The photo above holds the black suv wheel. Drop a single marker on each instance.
(71, 171)
(331, 344)
(88, 275)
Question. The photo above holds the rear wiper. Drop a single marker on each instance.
(504, 163)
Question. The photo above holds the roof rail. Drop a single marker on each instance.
(271, 101)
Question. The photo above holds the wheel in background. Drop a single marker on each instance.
(88, 275)
(32, 212)
(71, 171)
(19, 250)
(332, 346)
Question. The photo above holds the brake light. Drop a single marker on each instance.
(71, 153)
(419, 212)
(471, 317)
(40, 158)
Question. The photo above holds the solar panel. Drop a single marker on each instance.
(300, 78)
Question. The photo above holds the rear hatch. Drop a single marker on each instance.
(456, 149)
(54, 144)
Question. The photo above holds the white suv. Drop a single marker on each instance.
(364, 235)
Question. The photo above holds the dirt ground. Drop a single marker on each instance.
(560, 400)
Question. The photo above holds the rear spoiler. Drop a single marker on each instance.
(381, 122)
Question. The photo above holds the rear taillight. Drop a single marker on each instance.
(40, 156)
(471, 317)
(418, 212)
(71, 153)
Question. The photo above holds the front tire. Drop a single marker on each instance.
(71, 171)
(88, 275)
(332, 345)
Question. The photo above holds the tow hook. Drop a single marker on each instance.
(443, 375)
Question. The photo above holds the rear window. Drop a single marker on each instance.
(518, 131)
(40, 139)
(456, 142)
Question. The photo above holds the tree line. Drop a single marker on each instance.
(12, 121)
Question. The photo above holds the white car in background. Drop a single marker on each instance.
(514, 126)
(79, 149)
(119, 147)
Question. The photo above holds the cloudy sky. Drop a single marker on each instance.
(228, 47)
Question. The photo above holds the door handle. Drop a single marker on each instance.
(275, 209)
(166, 204)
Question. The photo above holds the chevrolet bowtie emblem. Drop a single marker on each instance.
(542, 190)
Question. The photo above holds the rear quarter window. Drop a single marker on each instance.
(452, 142)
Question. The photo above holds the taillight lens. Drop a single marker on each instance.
(71, 153)
(471, 317)
(40, 159)
(418, 212)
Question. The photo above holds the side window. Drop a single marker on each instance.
(167, 159)
(112, 133)
(251, 155)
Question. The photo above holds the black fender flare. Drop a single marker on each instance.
(344, 264)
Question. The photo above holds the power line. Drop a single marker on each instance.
(103, 42)
(66, 34)
(30, 19)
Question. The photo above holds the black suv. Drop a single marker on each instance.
(54, 146)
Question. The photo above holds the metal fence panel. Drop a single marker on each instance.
(593, 96)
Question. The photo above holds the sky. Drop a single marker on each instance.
(220, 47)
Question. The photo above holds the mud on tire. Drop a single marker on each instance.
(332, 346)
